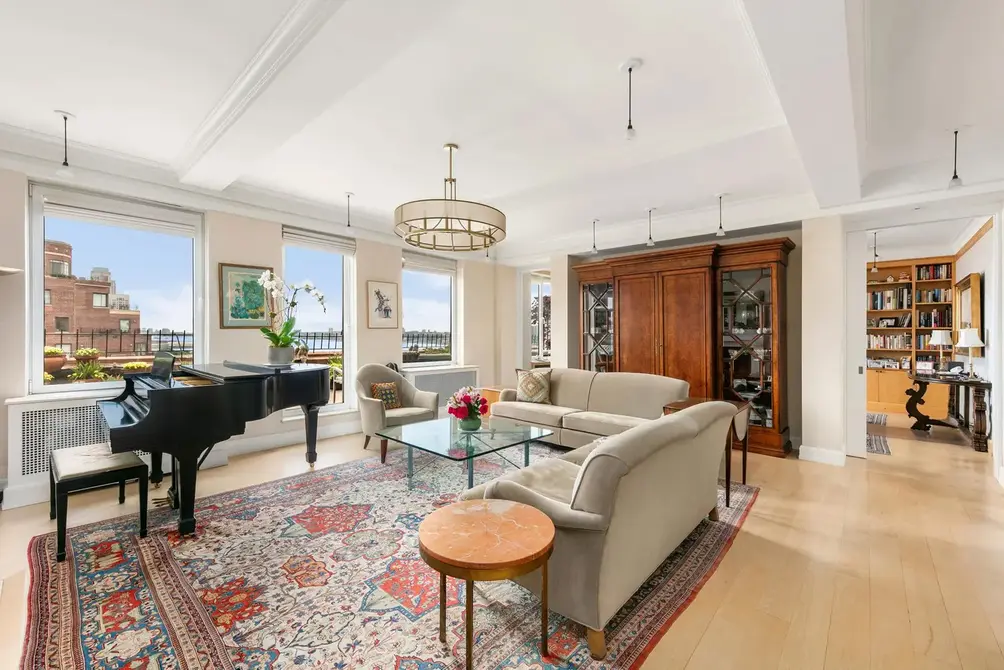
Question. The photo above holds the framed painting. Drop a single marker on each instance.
(382, 304)
(242, 298)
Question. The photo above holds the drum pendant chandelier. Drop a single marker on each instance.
(449, 224)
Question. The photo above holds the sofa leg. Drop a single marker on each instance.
(383, 451)
(366, 444)
(597, 644)
(713, 514)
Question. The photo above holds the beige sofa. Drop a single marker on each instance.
(620, 507)
(586, 405)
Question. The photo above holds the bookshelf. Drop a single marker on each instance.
(902, 315)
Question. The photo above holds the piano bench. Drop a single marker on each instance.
(90, 466)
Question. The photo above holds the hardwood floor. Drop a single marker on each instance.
(893, 562)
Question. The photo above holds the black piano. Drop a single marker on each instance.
(187, 411)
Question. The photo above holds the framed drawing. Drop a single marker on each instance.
(382, 304)
(242, 298)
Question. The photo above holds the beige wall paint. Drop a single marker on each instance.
(13, 215)
(978, 258)
(376, 262)
(508, 285)
(477, 334)
(564, 312)
(823, 332)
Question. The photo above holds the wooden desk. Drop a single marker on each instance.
(978, 433)
(738, 432)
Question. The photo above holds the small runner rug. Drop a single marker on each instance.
(878, 444)
(322, 570)
(877, 419)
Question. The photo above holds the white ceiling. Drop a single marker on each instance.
(792, 109)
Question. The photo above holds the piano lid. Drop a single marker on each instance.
(235, 371)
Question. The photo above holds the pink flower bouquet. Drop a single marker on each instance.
(468, 406)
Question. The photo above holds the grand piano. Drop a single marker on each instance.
(187, 411)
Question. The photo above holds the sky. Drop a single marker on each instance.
(156, 270)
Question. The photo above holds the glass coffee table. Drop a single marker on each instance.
(443, 438)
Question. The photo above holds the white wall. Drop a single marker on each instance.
(823, 340)
(13, 368)
(508, 284)
(477, 336)
(979, 259)
(564, 312)
(376, 262)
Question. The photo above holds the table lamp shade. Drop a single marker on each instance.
(941, 338)
(969, 337)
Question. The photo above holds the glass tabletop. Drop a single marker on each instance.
(443, 437)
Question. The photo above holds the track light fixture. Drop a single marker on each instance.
(65, 170)
(651, 242)
(955, 182)
(630, 66)
(721, 230)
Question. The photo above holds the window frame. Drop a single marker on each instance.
(94, 296)
(64, 274)
(56, 322)
(107, 210)
(346, 249)
(538, 280)
(128, 326)
(46, 296)
(413, 266)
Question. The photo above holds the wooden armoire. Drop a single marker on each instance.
(713, 315)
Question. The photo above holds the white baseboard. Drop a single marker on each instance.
(819, 455)
(35, 492)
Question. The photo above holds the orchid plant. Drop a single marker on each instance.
(281, 302)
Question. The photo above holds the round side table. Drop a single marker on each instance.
(486, 540)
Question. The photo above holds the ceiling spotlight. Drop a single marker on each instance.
(875, 253)
(721, 230)
(594, 250)
(65, 171)
(651, 242)
(630, 66)
(955, 182)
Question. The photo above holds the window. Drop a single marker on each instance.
(427, 310)
(324, 261)
(540, 317)
(147, 254)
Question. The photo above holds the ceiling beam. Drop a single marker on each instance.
(804, 49)
(319, 52)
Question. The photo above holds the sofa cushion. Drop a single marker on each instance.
(570, 387)
(600, 423)
(551, 477)
(635, 394)
(544, 415)
(403, 415)
(533, 386)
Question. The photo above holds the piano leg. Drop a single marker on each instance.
(185, 473)
(310, 419)
(156, 468)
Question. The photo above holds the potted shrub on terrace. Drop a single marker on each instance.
(86, 354)
(55, 358)
(88, 371)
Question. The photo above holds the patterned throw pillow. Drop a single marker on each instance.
(533, 386)
(387, 392)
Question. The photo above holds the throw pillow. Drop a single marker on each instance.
(533, 386)
(386, 392)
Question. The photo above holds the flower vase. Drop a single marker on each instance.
(471, 423)
(281, 355)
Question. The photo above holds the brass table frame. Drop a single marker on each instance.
(471, 575)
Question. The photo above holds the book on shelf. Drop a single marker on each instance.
(894, 298)
(902, 342)
(934, 271)
(938, 317)
(934, 295)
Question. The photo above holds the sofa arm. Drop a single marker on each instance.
(507, 395)
(372, 415)
(560, 513)
(427, 400)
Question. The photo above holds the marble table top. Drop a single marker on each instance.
(486, 534)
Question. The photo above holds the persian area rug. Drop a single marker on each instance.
(877, 444)
(321, 570)
(877, 419)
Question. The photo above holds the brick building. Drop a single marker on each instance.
(77, 307)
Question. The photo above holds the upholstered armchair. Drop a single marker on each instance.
(416, 405)
(620, 506)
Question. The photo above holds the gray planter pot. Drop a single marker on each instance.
(280, 355)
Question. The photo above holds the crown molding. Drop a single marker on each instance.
(296, 29)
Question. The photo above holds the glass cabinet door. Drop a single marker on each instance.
(747, 365)
(598, 327)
